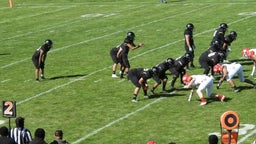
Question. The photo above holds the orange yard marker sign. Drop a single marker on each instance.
(10, 3)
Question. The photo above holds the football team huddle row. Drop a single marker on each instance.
(213, 61)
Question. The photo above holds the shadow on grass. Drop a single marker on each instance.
(66, 76)
(2, 54)
(245, 87)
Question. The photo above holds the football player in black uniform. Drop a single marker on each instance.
(227, 42)
(124, 50)
(219, 33)
(178, 68)
(208, 59)
(189, 42)
(39, 58)
(139, 77)
(161, 77)
(116, 60)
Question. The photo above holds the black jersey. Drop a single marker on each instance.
(45, 48)
(181, 62)
(163, 66)
(191, 40)
(125, 47)
(219, 35)
(140, 73)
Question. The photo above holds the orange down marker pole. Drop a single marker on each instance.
(10, 3)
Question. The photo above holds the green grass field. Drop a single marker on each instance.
(80, 96)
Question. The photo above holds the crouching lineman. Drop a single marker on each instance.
(228, 71)
(250, 53)
(161, 77)
(203, 82)
(139, 77)
(178, 68)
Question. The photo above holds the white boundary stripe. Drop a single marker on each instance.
(116, 121)
(246, 137)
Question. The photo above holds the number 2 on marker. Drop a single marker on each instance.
(9, 108)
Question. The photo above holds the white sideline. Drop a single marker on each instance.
(116, 121)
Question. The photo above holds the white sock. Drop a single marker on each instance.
(253, 70)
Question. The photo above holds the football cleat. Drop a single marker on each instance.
(203, 103)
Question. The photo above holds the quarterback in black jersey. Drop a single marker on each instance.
(39, 58)
(139, 77)
(179, 68)
(161, 77)
(116, 60)
(124, 51)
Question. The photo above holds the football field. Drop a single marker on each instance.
(79, 95)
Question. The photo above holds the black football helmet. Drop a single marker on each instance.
(130, 35)
(188, 56)
(48, 42)
(224, 25)
(233, 35)
(190, 26)
(155, 70)
(170, 61)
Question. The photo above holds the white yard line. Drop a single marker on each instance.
(240, 141)
(116, 121)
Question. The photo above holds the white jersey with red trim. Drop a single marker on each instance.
(234, 69)
(203, 82)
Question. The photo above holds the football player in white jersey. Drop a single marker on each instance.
(250, 53)
(228, 71)
(203, 82)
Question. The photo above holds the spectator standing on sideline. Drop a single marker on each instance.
(39, 58)
(5, 139)
(189, 42)
(123, 52)
(20, 134)
(39, 137)
(228, 71)
(139, 77)
(203, 82)
(59, 138)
